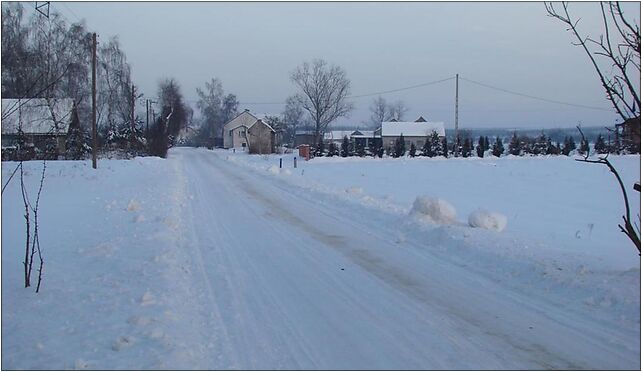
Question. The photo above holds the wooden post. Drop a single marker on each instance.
(280, 163)
(94, 135)
(133, 108)
(295, 162)
(147, 110)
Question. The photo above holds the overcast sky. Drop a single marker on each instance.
(253, 47)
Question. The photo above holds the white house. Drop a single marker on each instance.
(42, 121)
(413, 131)
(248, 131)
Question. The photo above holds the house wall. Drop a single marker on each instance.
(237, 137)
(389, 141)
(261, 139)
(232, 136)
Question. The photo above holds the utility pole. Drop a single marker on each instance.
(133, 119)
(456, 115)
(94, 135)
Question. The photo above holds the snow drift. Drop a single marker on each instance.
(434, 210)
(487, 220)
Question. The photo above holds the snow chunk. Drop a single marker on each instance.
(354, 190)
(121, 343)
(81, 364)
(276, 170)
(434, 210)
(147, 299)
(133, 205)
(487, 220)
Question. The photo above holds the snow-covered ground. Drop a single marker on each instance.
(219, 260)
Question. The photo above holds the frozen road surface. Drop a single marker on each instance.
(287, 281)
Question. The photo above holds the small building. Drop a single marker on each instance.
(44, 124)
(628, 133)
(366, 138)
(249, 132)
(413, 131)
(303, 137)
(336, 136)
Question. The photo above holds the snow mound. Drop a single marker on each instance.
(487, 220)
(434, 210)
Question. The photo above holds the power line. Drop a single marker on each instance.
(534, 97)
(402, 89)
(70, 11)
(354, 96)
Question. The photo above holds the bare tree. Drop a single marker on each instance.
(615, 55)
(324, 91)
(382, 111)
(292, 118)
(379, 111)
(397, 110)
(631, 230)
(216, 109)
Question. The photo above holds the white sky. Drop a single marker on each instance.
(252, 47)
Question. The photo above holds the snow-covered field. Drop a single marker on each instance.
(218, 260)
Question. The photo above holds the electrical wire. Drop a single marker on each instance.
(533, 97)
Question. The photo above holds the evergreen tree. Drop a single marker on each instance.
(376, 149)
(75, 149)
(600, 145)
(157, 139)
(332, 150)
(539, 145)
(426, 150)
(467, 147)
(486, 144)
(480, 147)
(413, 150)
(400, 147)
(584, 147)
(345, 147)
(444, 148)
(569, 145)
(320, 147)
(498, 147)
(514, 147)
(360, 150)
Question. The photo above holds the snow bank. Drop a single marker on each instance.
(487, 220)
(434, 210)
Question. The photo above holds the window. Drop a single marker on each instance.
(230, 132)
(243, 144)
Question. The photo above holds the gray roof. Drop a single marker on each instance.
(35, 115)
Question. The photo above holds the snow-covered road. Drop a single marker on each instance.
(286, 279)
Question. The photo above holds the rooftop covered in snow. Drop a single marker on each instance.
(35, 115)
(411, 128)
